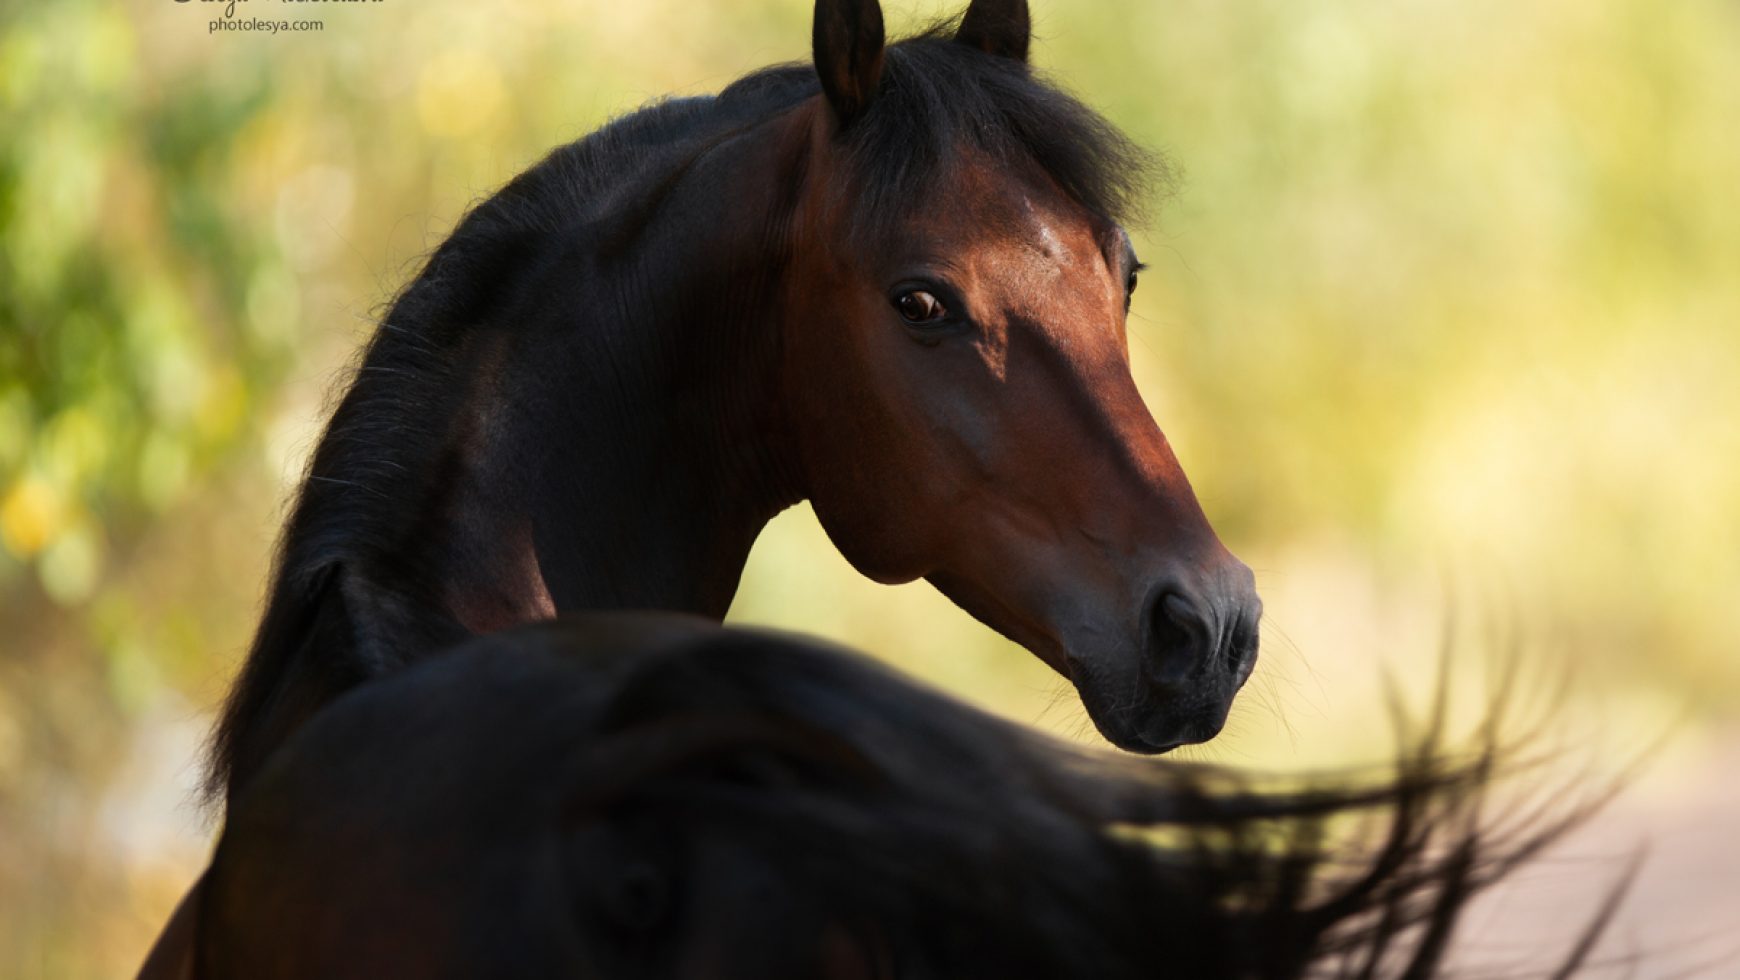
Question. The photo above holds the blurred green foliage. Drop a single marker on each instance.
(1451, 292)
(129, 358)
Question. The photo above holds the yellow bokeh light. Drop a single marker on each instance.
(31, 516)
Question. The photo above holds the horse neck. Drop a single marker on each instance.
(634, 471)
(621, 442)
(636, 468)
(600, 427)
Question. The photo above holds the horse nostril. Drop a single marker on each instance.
(1182, 638)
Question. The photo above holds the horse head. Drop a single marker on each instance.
(957, 362)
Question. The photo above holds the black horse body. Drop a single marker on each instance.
(644, 795)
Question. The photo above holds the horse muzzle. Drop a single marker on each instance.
(1197, 646)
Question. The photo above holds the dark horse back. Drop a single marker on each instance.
(636, 796)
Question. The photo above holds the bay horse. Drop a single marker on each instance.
(892, 283)
(622, 796)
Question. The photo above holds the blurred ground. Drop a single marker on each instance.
(1444, 323)
(1679, 916)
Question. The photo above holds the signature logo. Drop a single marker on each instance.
(229, 5)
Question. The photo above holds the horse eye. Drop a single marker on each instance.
(1130, 287)
(919, 307)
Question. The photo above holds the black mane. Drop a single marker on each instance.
(938, 97)
(387, 444)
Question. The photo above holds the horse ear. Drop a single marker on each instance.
(848, 49)
(999, 27)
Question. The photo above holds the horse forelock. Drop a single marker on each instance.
(942, 103)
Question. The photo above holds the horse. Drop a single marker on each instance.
(638, 795)
(892, 283)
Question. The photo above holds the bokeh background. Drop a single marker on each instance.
(1444, 322)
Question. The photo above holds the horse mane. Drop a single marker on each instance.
(388, 438)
